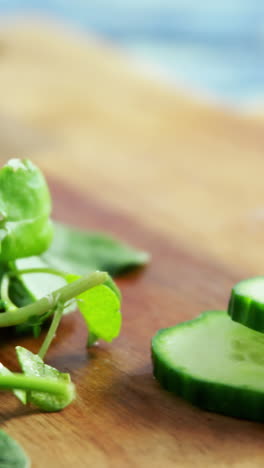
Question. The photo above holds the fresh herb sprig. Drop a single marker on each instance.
(45, 386)
(40, 283)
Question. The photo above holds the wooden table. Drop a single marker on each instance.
(167, 173)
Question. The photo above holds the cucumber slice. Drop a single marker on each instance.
(246, 304)
(214, 363)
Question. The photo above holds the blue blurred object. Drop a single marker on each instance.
(213, 47)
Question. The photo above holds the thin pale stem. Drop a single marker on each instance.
(39, 384)
(4, 293)
(52, 330)
(48, 302)
(50, 271)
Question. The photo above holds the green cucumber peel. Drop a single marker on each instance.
(246, 303)
(214, 363)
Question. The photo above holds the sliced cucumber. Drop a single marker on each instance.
(246, 304)
(214, 363)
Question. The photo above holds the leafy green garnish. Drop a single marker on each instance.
(112, 285)
(25, 227)
(45, 283)
(78, 252)
(48, 302)
(30, 287)
(33, 365)
(11, 454)
(45, 386)
(100, 307)
(37, 284)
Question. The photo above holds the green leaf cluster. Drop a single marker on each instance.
(47, 270)
(44, 270)
(25, 207)
(80, 252)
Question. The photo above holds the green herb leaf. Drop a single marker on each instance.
(20, 394)
(25, 228)
(79, 252)
(33, 365)
(100, 307)
(36, 285)
(11, 454)
(112, 285)
(48, 302)
(30, 287)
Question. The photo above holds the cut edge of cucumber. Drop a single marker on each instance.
(243, 308)
(239, 402)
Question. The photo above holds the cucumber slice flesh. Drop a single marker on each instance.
(246, 304)
(214, 363)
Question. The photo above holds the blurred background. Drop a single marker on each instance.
(151, 107)
(211, 47)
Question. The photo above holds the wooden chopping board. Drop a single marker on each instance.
(121, 416)
(168, 174)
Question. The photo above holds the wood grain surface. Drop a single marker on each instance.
(122, 417)
(167, 173)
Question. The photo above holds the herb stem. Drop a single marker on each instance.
(92, 339)
(4, 293)
(48, 302)
(51, 271)
(52, 330)
(40, 384)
